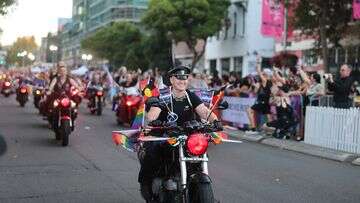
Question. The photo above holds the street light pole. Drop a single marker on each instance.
(286, 5)
(53, 50)
(87, 58)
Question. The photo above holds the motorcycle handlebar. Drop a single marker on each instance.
(188, 127)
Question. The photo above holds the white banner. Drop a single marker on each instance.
(236, 112)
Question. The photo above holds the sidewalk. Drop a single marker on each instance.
(295, 146)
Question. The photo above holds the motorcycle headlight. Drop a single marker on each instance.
(56, 103)
(197, 144)
(65, 102)
(23, 90)
(99, 93)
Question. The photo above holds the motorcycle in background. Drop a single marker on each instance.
(95, 99)
(38, 94)
(6, 89)
(128, 104)
(22, 95)
(64, 113)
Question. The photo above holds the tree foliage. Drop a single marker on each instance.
(124, 44)
(22, 44)
(327, 21)
(157, 50)
(4, 4)
(119, 43)
(187, 20)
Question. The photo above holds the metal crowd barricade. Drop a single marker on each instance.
(326, 100)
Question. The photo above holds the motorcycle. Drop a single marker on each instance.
(38, 94)
(6, 89)
(95, 100)
(22, 95)
(63, 115)
(182, 175)
(128, 104)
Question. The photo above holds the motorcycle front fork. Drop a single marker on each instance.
(59, 118)
(183, 169)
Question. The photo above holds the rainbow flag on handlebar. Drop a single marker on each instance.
(127, 139)
(219, 135)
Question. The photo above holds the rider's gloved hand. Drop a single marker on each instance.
(218, 125)
(157, 132)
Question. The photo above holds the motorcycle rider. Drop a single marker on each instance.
(95, 81)
(93, 85)
(184, 106)
(62, 82)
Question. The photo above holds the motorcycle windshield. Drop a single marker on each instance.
(131, 91)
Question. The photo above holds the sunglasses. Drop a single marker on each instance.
(181, 77)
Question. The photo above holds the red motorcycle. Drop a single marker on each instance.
(6, 89)
(22, 95)
(128, 104)
(63, 116)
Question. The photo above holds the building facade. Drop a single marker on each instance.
(305, 49)
(235, 47)
(45, 55)
(89, 16)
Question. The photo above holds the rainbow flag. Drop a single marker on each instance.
(139, 118)
(127, 139)
(149, 91)
(217, 135)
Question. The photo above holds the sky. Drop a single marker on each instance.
(33, 17)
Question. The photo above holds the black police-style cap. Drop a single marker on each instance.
(179, 70)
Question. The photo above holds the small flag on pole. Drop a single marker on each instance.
(127, 139)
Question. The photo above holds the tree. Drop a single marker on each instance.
(21, 45)
(4, 4)
(157, 50)
(120, 43)
(187, 20)
(327, 21)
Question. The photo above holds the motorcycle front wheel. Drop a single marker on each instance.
(201, 193)
(99, 107)
(65, 130)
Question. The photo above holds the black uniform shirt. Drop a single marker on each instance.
(182, 107)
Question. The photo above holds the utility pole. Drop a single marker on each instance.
(286, 5)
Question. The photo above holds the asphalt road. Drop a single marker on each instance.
(34, 167)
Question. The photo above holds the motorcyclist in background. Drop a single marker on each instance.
(92, 87)
(183, 106)
(61, 83)
(95, 81)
